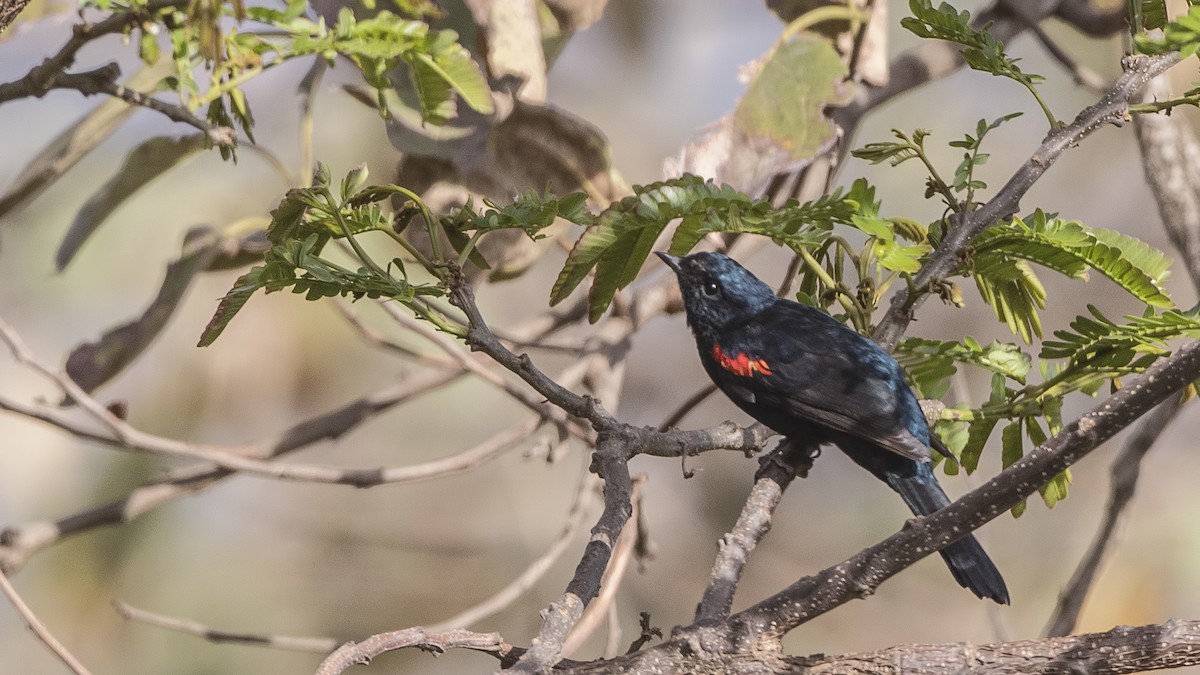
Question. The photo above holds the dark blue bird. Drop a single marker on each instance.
(806, 376)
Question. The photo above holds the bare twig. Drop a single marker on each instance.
(17, 544)
(320, 645)
(687, 406)
(1082, 75)
(34, 624)
(374, 338)
(83, 33)
(125, 436)
(437, 643)
(776, 471)
(454, 350)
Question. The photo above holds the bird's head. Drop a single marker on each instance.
(717, 291)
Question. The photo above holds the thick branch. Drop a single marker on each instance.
(1173, 644)
(860, 575)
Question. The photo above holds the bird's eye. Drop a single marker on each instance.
(711, 289)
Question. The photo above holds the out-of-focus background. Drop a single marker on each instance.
(263, 556)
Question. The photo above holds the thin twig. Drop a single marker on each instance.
(130, 438)
(1082, 75)
(35, 82)
(454, 350)
(18, 543)
(34, 624)
(373, 337)
(776, 472)
(319, 645)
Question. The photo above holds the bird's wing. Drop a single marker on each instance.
(830, 375)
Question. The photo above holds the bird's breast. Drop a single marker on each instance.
(740, 363)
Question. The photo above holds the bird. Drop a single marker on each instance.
(797, 370)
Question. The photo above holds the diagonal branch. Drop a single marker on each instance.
(776, 472)
(35, 625)
(1112, 108)
(860, 575)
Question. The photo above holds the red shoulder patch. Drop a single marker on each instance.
(741, 364)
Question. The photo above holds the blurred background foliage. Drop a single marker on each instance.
(266, 556)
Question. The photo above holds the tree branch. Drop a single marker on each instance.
(1112, 108)
(318, 645)
(436, 643)
(776, 472)
(35, 626)
(38, 78)
(861, 574)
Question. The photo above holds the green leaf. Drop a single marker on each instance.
(453, 63)
(1181, 35)
(931, 363)
(1057, 489)
(806, 70)
(237, 297)
(650, 208)
(906, 259)
(1011, 452)
(894, 153)
(981, 51)
(618, 240)
(1014, 291)
(143, 164)
(1098, 342)
(1153, 14)
(982, 426)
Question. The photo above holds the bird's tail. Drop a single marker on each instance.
(970, 565)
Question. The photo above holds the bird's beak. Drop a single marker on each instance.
(671, 260)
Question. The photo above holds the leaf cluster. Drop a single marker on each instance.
(1000, 264)
(981, 51)
(301, 226)
(1181, 35)
(618, 240)
(440, 69)
(959, 193)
